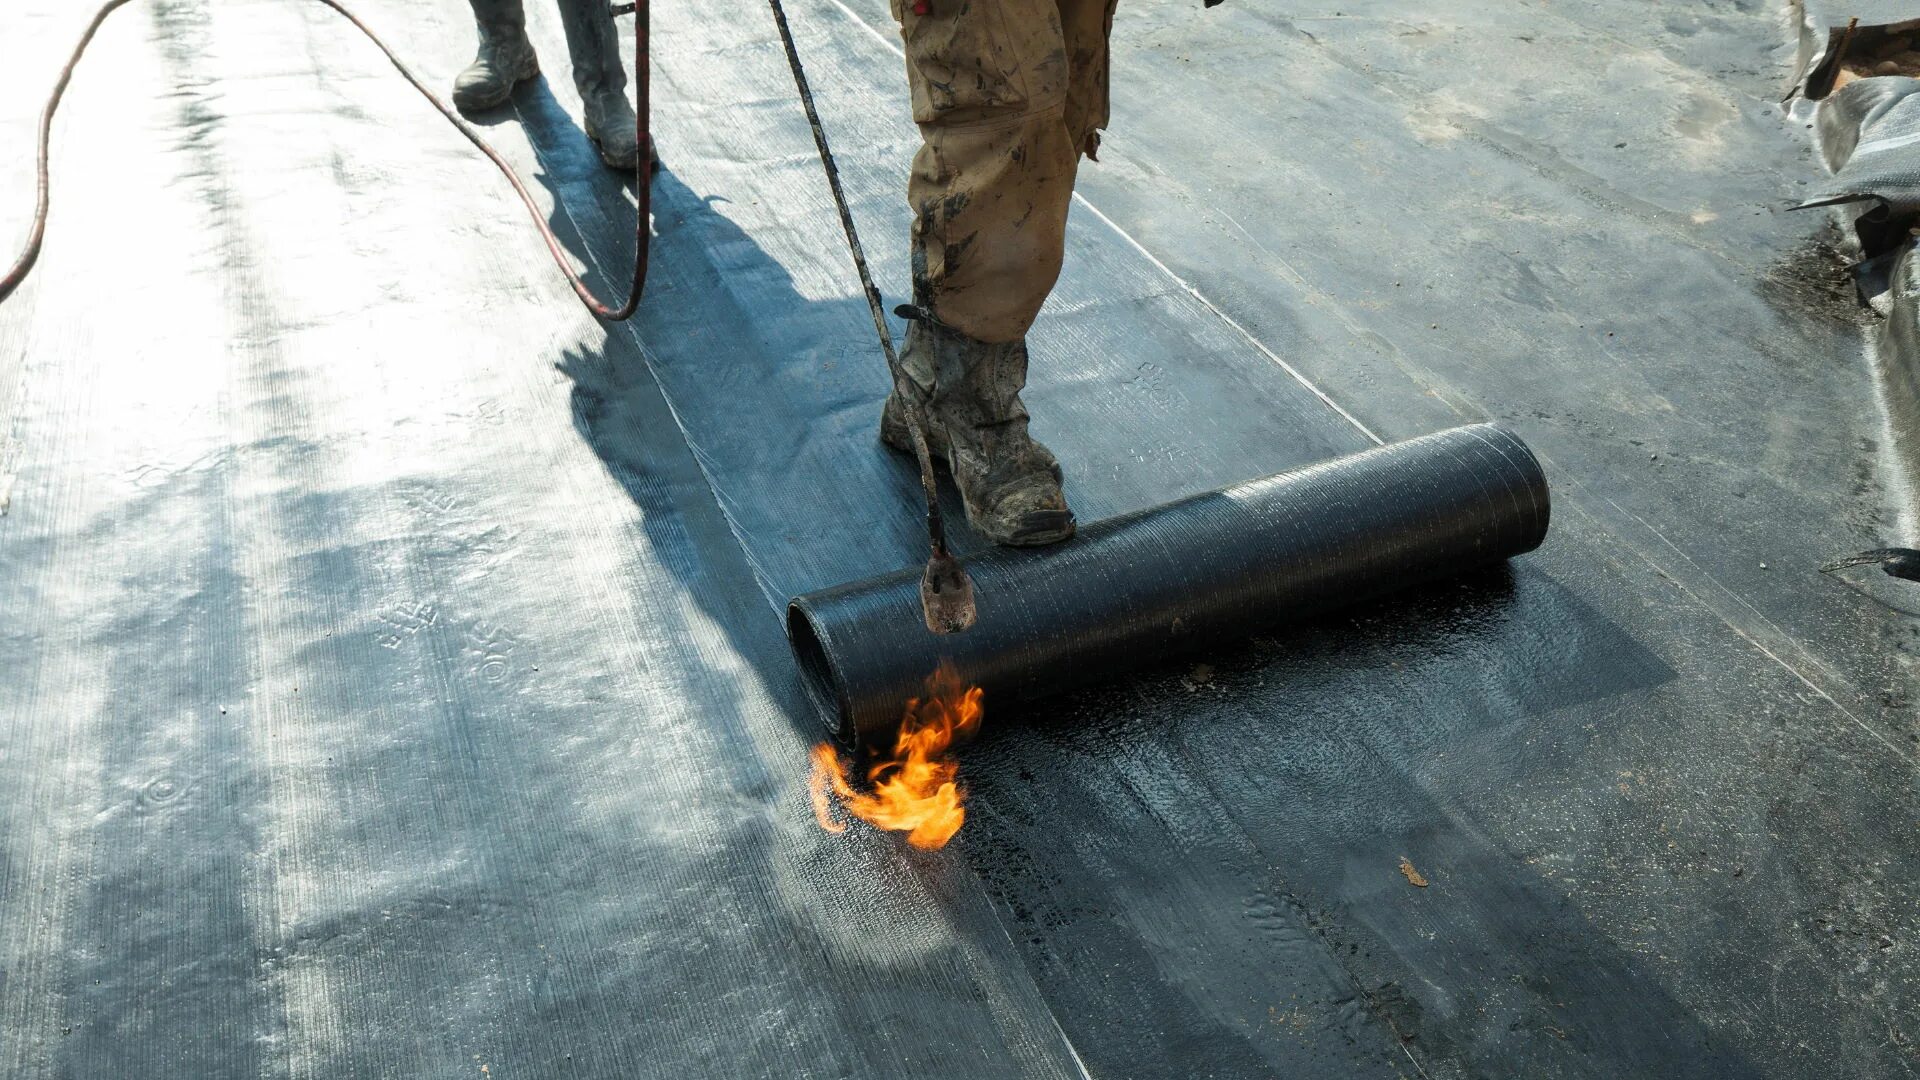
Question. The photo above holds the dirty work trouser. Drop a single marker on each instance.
(1008, 94)
(592, 43)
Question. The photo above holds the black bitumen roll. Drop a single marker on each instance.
(1135, 589)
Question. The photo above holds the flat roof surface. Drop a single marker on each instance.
(393, 679)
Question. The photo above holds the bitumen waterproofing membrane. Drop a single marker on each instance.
(393, 678)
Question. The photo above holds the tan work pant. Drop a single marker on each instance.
(1008, 94)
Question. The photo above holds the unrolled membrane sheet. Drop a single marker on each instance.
(1217, 851)
(1857, 114)
(1869, 134)
(1159, 582)
(394, 680)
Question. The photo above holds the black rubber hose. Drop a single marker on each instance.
(1134, 589)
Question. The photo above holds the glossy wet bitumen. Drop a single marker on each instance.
(395, 682)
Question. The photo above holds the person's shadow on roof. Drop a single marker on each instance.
(711, 288)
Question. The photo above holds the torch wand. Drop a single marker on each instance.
(946, 593)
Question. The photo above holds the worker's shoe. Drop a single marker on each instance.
(505, 60)
(969, 392)
(610, 124)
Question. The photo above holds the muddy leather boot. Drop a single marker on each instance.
(970, 393)
(611, 128)
(504, 61)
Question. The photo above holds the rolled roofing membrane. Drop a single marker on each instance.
(1207, 568)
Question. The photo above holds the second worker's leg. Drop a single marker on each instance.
(602, 81)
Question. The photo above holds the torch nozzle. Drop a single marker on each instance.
(946, 595)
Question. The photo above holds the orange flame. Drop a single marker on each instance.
(915, 791)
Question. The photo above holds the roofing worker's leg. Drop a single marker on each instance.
(602, 82)
(1001, 91)
(1088, 26)
(505, 58)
